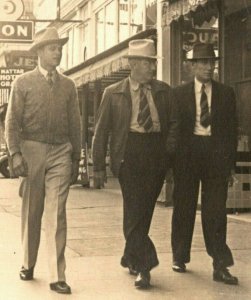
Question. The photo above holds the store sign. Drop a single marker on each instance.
(21, 61)
(7, 76)
(11, 10)
(200, 36)
(197, 2)
(16, 31)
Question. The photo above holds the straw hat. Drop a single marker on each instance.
(47, 36)
(203, 51)
(143, 48)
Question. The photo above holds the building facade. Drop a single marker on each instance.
(99, 32)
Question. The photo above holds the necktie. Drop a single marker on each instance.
(49, 79)
(144, 117)
(204, 115)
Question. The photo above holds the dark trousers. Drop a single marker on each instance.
(200, 167)
(141, 178)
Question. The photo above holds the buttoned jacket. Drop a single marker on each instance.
(223, 126)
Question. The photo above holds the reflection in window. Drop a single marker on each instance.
(192, 33)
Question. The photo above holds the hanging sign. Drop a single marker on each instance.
(17, 31)
(11, 10)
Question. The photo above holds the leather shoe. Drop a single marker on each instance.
(223, 275)
(132, 270)
(26, 274)
(143, 280)
(60, 287)
(179, 267)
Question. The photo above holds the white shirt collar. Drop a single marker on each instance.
(198, 85)
(135, 84)
(45, 72)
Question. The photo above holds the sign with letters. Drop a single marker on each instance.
(16, 31)
(7, 75)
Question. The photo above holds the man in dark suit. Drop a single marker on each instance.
(206, 153)
(139, 115)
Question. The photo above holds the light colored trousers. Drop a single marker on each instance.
(45, 189)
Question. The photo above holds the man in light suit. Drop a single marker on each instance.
(139, 115)
(43, 138)
(206, 153)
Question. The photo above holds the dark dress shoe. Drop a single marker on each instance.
(223, 275)
(132, 270)
(26, 274)
(179, 267)
(143, 280)
(60, 287)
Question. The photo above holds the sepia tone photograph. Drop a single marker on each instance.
(125, 149)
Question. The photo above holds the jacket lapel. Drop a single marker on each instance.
(192, 103)
(124, 88)
(214, 100)
(214, 103)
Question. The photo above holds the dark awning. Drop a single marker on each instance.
(172, 10)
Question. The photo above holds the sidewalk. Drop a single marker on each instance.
(94, 246)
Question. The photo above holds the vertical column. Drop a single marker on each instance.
(159, 40)
(83, 93)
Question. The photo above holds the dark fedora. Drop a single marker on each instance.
(203, 51)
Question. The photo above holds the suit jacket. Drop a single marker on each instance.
(223, 126)
(114, 117)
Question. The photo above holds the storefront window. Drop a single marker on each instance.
(100, 31)
(130, 18)
(237, 63)
(136, 16)
(123, 20)
(151, 13)
(110, 25)
(70, 48)
(84, 33)
(192, 33)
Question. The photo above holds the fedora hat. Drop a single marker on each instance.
(203, 51)
(47, 36)
(143, 48)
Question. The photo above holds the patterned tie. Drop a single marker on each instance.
(144, 117)
(49, 78)
(204, 115)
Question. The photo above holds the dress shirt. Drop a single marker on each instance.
(45, 72)
(135, 95)
(199, 129)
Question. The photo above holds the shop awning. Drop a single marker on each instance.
(172, 10)
(109, 65)
(102, 69)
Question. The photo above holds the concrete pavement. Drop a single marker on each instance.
(94, 246)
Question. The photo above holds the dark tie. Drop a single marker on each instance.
(144, 117)
(49, 78)
(204, 115)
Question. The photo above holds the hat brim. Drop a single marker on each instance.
(36, 46)
(142, 56)
(205, 57)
